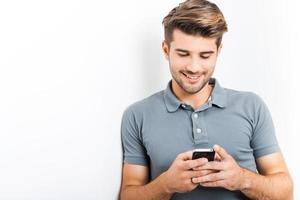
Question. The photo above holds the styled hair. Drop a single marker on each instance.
(196, 17)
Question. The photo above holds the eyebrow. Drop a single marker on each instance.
(202, 52)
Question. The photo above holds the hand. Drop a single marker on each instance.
(178, 178)
(229, 174)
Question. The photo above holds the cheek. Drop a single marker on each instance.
(178, 63)
(209, 64)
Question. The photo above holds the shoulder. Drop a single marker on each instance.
(247, 104)
(245, 98)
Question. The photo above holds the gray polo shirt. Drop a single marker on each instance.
(155, 130)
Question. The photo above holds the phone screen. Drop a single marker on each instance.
(204, 153)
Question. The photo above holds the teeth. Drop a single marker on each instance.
(193, 77)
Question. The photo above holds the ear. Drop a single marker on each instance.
(165, 49)
(219, 49)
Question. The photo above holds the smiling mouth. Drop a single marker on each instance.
(191, 77)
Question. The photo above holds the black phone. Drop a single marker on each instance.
(204, 153)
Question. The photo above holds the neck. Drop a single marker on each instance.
(195, 100)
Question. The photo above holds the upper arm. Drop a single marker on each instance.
(271, 164)
(134, 175)
(134, 150)
(263, 140)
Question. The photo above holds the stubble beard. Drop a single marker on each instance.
(188, 88)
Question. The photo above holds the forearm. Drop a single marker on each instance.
(153, 190)
(269, 187)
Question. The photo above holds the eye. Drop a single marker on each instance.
(205, 57)
(182, 55)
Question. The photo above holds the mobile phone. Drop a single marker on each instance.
(204, 153)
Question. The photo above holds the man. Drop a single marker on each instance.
(194, 111)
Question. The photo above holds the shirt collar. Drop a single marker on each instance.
(218, 96)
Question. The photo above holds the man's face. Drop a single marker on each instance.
(192, 60)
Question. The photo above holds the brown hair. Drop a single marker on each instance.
(196, 17)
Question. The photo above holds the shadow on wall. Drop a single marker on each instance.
(153, 69)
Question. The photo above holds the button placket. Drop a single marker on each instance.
(198, 128)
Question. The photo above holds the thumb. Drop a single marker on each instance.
(217, 157)
(222, 154)
(185, 155)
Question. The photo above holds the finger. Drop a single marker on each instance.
(213, 165)
(190, 164)
(198, 173)
(209, 178)
(193, 174)
(220, 183)
(217, 157)
(201, 169)
(185, 156)
(221, 152)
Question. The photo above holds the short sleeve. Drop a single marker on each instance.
(134, 151)
(263, 140)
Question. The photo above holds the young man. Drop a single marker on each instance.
(194, 111)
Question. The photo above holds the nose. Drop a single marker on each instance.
(194, 66)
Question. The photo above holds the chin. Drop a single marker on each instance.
(188, 87)
(192, 89)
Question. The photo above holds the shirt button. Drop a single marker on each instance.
(196, 115)
(198, 130)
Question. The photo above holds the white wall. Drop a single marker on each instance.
(68, 69)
